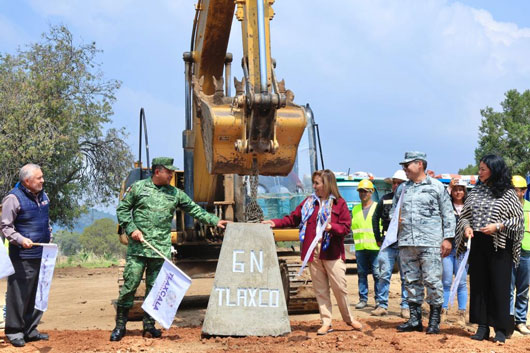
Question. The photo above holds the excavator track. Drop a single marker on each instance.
(299, 293)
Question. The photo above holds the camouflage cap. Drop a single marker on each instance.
(414, 155)
(166, 162)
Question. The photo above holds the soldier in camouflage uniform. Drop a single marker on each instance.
(426, 227)
(146, 212)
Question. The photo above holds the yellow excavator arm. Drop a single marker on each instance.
(259, 128)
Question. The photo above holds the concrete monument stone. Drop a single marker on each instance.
(247, 297)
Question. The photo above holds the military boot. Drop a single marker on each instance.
(121, 321)
(149, 327)
(434, 319)
(414, 322)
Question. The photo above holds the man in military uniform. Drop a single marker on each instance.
(146, 212)
(426, 226)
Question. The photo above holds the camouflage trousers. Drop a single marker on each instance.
(422, 268)
(132, 276)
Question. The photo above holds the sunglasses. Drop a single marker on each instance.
(406, 165)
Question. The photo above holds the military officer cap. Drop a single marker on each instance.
(413, 156)
(165, 162)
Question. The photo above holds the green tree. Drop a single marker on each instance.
(55, 107)
(507, 133)
(68, 242)
(101, 238)
(469, 170)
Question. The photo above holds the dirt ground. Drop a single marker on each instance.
(80, 317)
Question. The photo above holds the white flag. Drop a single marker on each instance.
(168, 290)
(459, 274)
(393, 227)
(6, 267)
(47, 265)
(318, 236)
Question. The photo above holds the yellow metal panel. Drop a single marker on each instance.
(285, 234)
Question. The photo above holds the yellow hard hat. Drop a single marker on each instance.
(519, 182)
(365, 184)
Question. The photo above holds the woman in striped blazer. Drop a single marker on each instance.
(493, 217)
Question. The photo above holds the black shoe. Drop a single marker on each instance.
(117, 334)
(152, 331)
(38, 337)
(483, 333)
(500, 336)
(414, 322)
(18, 342)
(434, 319)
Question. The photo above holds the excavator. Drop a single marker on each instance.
(229, 141)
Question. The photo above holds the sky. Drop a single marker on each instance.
(382, 76)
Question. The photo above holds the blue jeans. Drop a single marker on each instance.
(383, 272)
(365, 265)
(450, 266)
(520, 282)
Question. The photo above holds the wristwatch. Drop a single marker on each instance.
(498, 226)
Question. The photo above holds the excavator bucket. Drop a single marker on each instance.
(223, 127)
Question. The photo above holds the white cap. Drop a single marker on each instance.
(399, 174)
(461, 182)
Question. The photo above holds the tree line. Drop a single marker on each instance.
(100, 239)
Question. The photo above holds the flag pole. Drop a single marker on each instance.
(459, 273)
(43, 244)
(155, 250)
(165, 258)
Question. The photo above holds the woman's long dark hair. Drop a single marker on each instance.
(500, 179)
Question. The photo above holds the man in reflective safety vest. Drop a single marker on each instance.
(366, 248)
(521, 274)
